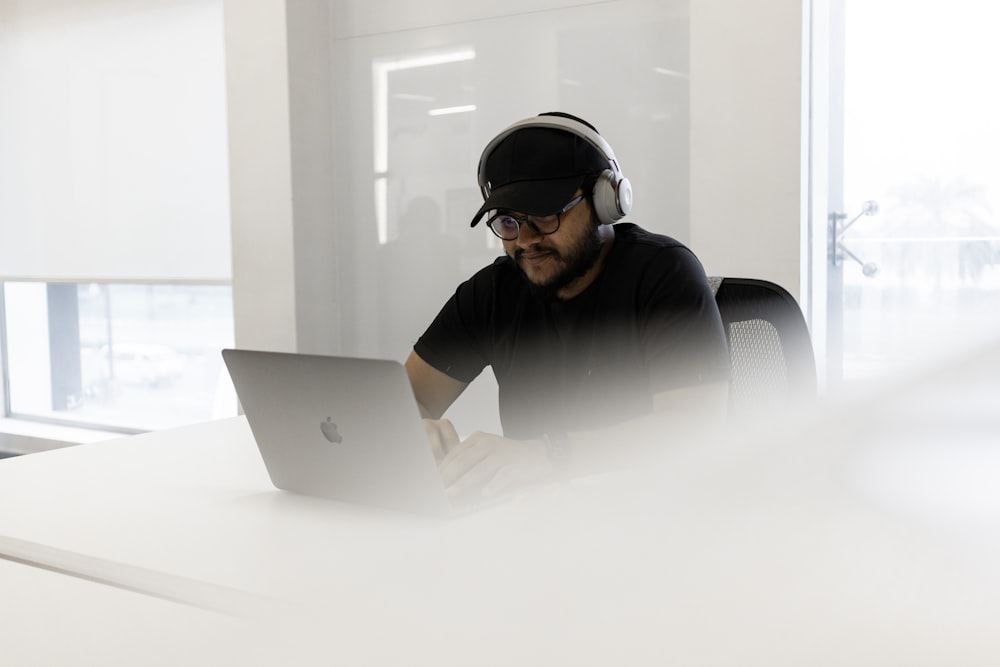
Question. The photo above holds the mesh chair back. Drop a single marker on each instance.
(769, 345)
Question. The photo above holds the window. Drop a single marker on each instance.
(914, 267)
(116, 260)
(117, 356)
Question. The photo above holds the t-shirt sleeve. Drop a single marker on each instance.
(681, 330)
(454, 343)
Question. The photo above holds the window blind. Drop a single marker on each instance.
(113, 159)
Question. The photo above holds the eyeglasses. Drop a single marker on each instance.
(508, 226)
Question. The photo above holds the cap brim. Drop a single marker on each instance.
(531, 197)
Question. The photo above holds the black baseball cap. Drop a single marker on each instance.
(535, 170)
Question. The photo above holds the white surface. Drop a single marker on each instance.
(260, 174)
(114, 157)
(746, 140)
(863, 534)
(50, 619)
(356, 18)
(54, 434)
(809, 546)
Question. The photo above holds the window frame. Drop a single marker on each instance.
(47, 421)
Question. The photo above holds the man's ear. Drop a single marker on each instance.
(594, 218)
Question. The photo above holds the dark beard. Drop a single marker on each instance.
(579, 259)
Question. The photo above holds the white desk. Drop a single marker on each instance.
(844, 538)
(47, 618)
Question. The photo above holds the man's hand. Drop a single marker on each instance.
(442, 436)
(490, 464)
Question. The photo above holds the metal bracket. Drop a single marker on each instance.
(836, 228)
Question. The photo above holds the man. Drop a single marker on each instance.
(599, 334)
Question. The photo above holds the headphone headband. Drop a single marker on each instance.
(576, 127)
(611, 193)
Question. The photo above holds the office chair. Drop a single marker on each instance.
(769, 346)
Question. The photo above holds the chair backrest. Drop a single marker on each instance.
(769, 345)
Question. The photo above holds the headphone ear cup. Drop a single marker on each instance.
(612, 197)
(624, 196)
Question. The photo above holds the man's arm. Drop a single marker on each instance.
(708, 402)
(680, 415)
(434, 390)
(489, 464)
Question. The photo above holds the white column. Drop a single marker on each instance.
(285, 289)
(747, 198)
(260, 175)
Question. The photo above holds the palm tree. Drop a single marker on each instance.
(944, 227)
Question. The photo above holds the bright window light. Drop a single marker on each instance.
(444, 111)
(380, 116)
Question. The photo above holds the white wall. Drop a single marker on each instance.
(305, 254)
(257, 73)
(746, 139)
(285, 280)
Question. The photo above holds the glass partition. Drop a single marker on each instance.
(417, 101)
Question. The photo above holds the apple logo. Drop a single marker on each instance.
(330, 431)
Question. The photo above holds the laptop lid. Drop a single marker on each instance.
(339, 427)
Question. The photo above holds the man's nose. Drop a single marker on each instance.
(526, 235)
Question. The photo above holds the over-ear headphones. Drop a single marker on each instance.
(612, 192)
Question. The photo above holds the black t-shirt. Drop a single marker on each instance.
(648, 323)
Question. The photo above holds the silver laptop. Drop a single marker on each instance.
(339, 427)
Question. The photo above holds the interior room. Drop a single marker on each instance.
(180, 177)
